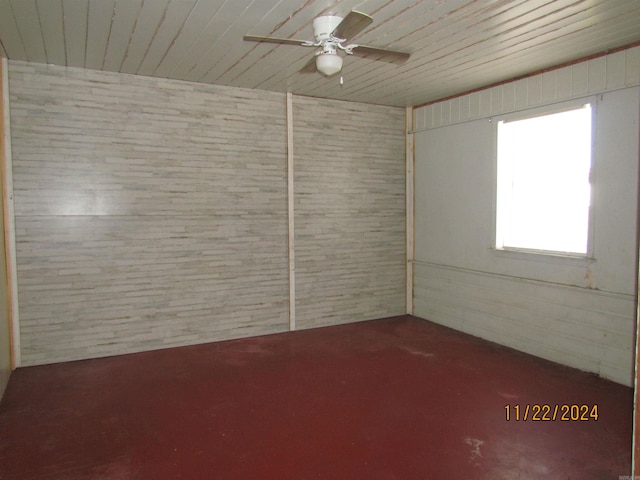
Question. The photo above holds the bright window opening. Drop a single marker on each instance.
(543, 182)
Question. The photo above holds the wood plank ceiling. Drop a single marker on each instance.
(456, 45)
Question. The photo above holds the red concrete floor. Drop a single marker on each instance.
(397, 398)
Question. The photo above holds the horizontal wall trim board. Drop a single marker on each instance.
(617, 295)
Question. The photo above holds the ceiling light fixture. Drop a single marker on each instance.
(330, 35)
(329, 63)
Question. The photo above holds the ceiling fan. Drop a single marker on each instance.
(331, 34)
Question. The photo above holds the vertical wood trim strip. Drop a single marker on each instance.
(9, 215)
(290, 201)
(635, 440)
(410, 216)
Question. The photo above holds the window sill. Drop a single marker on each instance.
(544, 256)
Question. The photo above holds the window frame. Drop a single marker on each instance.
(544, 110)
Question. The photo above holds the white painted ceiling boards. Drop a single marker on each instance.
(456, 45)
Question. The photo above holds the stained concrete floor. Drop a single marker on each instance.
(398, 398)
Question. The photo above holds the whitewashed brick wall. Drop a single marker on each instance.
(149, 213)
(349, 211)
(152, 213)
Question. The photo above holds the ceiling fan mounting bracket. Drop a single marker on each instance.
(331, 46)
(323, 27)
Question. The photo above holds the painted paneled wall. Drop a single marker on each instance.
(579, 312)
(349, 211)
(153, 213)
(149, 213)
(602, 74)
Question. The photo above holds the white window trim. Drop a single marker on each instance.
(547, 255)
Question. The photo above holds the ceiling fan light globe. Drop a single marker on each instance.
(329, 63)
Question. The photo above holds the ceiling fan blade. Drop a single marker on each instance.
(352, 25)
(391, 56)
(282, 41)
(310, 67)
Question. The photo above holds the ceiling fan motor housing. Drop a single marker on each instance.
(324, 25)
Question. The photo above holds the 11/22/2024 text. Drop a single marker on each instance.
(551, 413)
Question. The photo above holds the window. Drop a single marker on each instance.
(543, 182)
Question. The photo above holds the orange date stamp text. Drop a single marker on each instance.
(550, 413)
